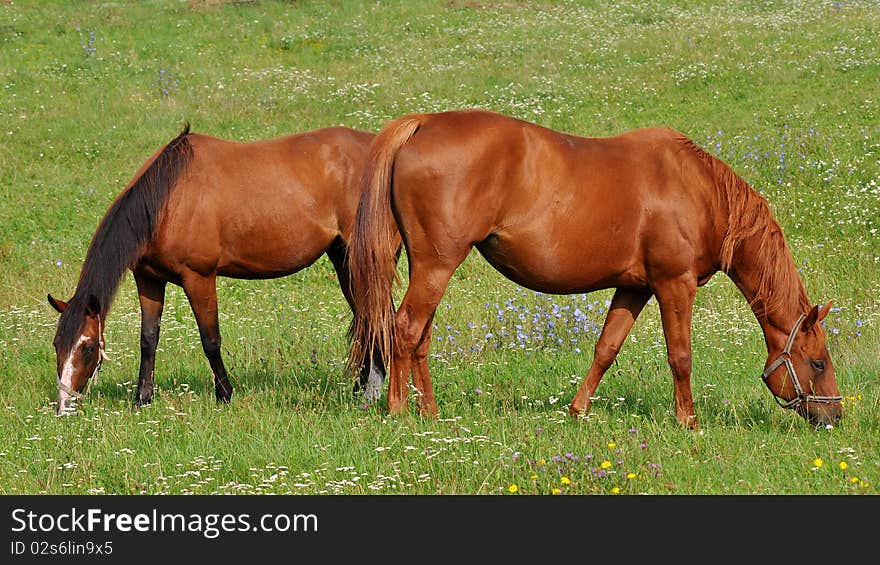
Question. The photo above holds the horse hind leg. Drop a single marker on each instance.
(202, 295)
(626, 305)
(412, 337)
(151, 294)
(421, 376)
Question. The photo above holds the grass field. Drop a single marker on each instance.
(788, 93)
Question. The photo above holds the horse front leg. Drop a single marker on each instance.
(202, 295)
(676, 300)
(151, 294)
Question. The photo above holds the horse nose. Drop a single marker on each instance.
(825, 415)
(65, 404)
(833, 414)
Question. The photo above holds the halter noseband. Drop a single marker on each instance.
(79, 395)
(785, 359)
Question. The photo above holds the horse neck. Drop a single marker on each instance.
(765, 273)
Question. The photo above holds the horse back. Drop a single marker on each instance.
(558, 212)
(261, 209)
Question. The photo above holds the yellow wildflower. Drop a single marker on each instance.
(612, 445)
(512, 489)
(615, 490)
(556, 491)
(817, 462)
(605, 464)
(630, 475)
(566, 481)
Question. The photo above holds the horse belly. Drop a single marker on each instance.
(269, 250)
(562, 265)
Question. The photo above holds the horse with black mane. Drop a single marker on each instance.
(647, 213)
(202, 207)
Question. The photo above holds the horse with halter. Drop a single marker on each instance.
(647, 213)
(202, 207)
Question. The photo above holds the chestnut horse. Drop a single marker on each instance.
(647, 213)
(203, 207)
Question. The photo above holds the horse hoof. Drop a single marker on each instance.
(372, 392)
(141, 400)
(395, 410)
(689, 422)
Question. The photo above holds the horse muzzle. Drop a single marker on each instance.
(66, 404)
(823, 414)
(67, 399)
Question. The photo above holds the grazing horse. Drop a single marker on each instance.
(647, 213)
(203, 207)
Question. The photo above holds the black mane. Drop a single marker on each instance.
(126, 228)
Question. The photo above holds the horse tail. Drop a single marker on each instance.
(375, 247)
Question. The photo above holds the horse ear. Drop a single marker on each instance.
(816, 315)
(93, 307)
(59, 305)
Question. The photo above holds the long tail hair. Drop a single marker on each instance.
(127, 226)
(374, 247)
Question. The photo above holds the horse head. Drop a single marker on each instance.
(79, 352)
(801, 373)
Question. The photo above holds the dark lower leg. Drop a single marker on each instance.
(372, 372)
(371, 378)
(151, 294)
(202, 296)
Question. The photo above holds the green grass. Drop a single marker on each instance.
(785, 92)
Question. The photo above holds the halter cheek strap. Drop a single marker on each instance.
(785, 359)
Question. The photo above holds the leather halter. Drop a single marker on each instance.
(785, 359)
(79, 395)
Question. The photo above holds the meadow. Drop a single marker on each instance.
(787, 93)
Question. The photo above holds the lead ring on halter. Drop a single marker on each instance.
(785, 359)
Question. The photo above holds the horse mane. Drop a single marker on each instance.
(127, 226)
(749, 218)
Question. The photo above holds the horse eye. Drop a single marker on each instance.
(818, 365)
(89, 349)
